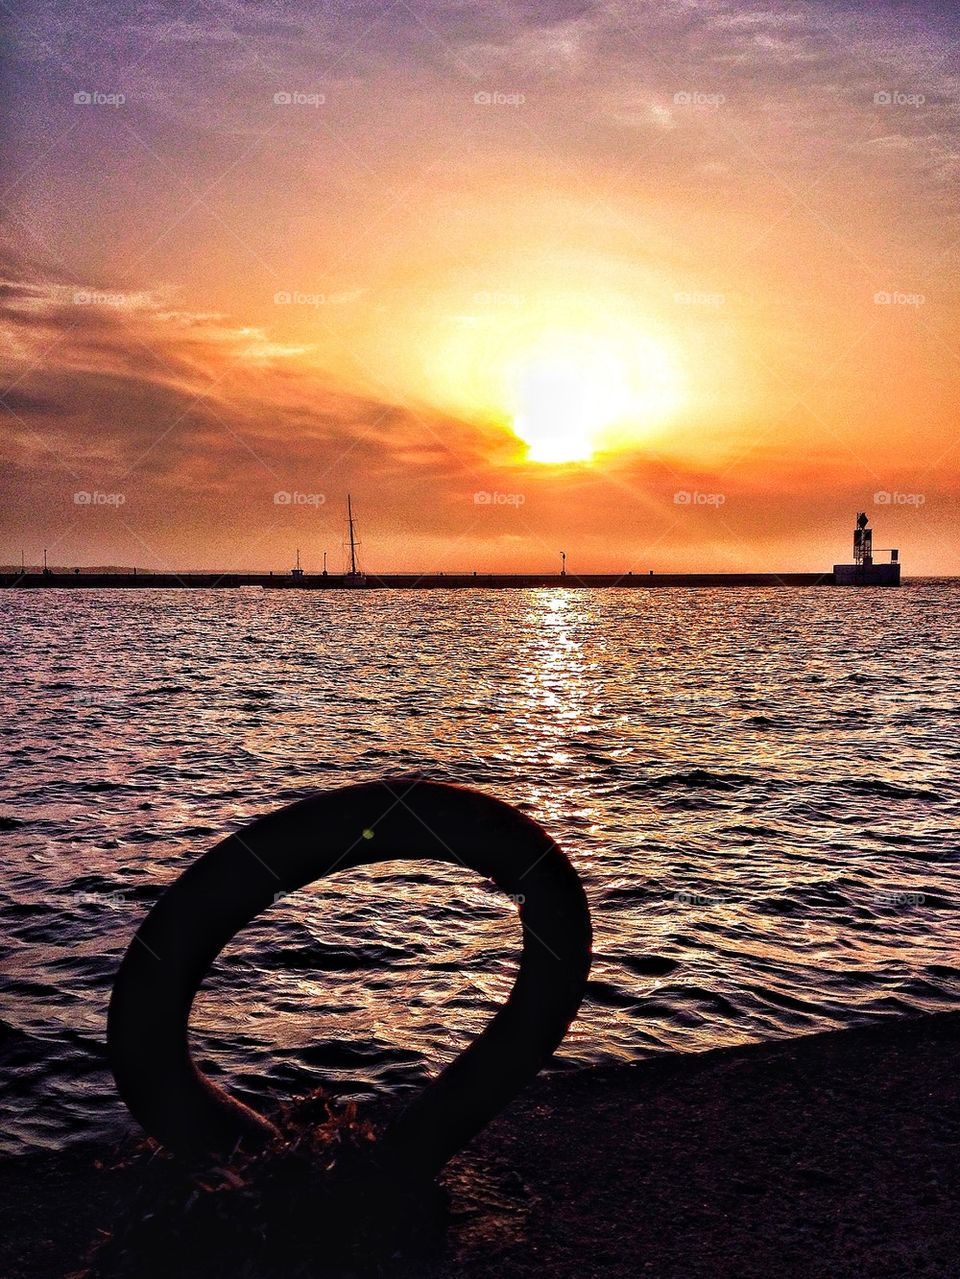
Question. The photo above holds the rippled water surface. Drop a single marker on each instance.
(758, 787)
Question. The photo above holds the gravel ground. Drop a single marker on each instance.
(825, 1157)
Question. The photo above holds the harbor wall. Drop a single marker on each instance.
(406, 581)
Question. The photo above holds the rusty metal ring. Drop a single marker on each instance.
(403, 818)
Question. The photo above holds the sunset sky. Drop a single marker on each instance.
(588, 261)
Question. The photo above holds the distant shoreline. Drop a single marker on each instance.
(84, 580)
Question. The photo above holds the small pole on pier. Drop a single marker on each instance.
(563, 563)
(324, 563)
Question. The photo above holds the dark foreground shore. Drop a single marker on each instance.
(826, 1157)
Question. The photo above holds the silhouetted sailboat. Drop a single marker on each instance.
(297, 577)
(355, 577)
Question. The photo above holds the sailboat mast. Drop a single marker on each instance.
(353, 545)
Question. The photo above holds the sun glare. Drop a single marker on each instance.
(570, 378)
(573, 396)
(564, 396)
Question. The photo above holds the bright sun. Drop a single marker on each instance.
(572, 378)
(571, 396)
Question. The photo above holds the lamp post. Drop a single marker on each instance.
(563, 563)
